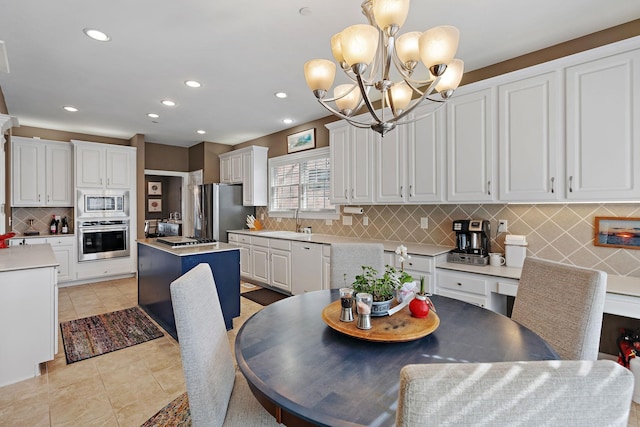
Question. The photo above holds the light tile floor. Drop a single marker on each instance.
(123, 388)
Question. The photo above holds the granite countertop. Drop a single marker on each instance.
(412, 248)
(26, 257)
(188, 250)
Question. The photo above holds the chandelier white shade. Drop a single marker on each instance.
(366, 54)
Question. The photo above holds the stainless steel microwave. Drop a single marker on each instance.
(107, 204)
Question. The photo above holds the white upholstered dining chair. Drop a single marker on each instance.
(540, 393)
(347, 260)
(564, 305)
(218, 393)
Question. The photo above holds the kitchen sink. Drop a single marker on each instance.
(286, 234)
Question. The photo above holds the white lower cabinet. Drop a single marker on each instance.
(477, 289)
(326, 266)
(306, 267)
(244, 244)
(419, 266)
(64, 248)
(105, 267)
(280, 263)
(260, 258)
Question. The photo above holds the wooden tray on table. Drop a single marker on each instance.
(400, 327)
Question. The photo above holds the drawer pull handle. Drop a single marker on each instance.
(459, 284)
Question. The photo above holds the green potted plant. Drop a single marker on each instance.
(382, 288)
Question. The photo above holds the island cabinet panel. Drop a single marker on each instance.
(158, 268)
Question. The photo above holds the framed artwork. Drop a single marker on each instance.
(617, 232)
(301, 141)
(155, 205)
(155, 188)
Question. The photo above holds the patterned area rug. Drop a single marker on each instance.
(264, 296)
(96, 335)
(176, 413)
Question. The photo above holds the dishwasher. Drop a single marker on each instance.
(306, 267)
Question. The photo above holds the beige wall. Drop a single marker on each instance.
(3, 104)
(166, 157)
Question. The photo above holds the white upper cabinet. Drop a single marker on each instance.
(529, 139)
(603, 128)
(391, 159)
(247, 166)
(104, 166)
(41, 172)
(470, 146)
(351, 152)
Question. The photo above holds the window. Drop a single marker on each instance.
(301, 181)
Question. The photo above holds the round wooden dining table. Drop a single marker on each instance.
(306, 373)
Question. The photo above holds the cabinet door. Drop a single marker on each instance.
(326, 272)
(529, 140)
(58, 168)
(89, 166)
(236, 169)
(361, 165)
(118, 168)
(306, 267)
(603, 128)
(260, 263)
(340, 173)
(63, 256)
(28, 173)
(246, 263)
(390, 167)
(281, 269)
(470, 143)
(247, 179)
(425, 157)
(225, 170)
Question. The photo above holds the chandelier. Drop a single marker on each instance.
(366, 52)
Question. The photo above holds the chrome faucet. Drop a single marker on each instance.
(297, 220)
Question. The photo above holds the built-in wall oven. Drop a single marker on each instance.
(103, 239)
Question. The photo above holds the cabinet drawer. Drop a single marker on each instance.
(461, 283)
(233, 238)
(260, 241)
(284, 245)
(60, 241)
(242, 238)
(417, 263)
(461, 296)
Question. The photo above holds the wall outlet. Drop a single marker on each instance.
(328, 222)
(347, 220)
(278, 219)
(424, 222)
(262, 216)
(502, 226)
(365, 220)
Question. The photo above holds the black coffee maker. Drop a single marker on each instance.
(472, 241)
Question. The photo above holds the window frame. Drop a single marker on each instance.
(300, 157)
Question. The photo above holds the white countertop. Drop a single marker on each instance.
(27, 257)
(188, 250)
(412, 248)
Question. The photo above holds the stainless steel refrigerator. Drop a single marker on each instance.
(218, 209)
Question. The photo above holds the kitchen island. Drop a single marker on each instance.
(160, 264)
(28, 311)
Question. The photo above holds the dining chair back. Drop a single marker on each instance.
(218, 393)
(347, 260)
(563, 304)
(537, 393)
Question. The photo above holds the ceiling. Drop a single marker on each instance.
(242, 52)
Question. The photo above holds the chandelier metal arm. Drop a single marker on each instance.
(367, 101)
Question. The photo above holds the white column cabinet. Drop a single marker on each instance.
(470, 142)
(351, 152)
(391, 154)
(41, 173)
(529, 139)
(603, 128)
(247, 166)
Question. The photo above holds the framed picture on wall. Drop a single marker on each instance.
(155, 205)
(617, 232)
(155, 188)
(301, 141)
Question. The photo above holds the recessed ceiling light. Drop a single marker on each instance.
(280, 95)
(153, 115)
(192, 83)
(96, 34)
(287, 121)
(70, 108)
(168, 103)
(201, 132)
